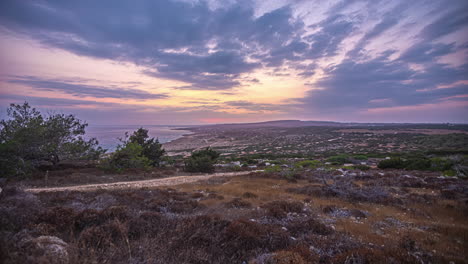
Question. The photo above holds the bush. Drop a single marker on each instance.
(418, 164)
(360, 157)
(307, 164)
(279, 209)
(338, 159)
(137, 151)
(393, 163)
(202, 160)
(361, 167)
(129, 156)
(450, 173)
(151, 148)
(29, 139)
(273, 169)
(441, 164)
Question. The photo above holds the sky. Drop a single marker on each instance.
(186, 62)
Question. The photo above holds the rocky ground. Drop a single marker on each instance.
(314, 217)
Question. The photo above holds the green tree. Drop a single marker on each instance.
(28, 139)
(151, 148)
(128, 156)
(202, 160)
(136, 151)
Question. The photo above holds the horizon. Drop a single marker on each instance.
(206, 62)
(283, 120)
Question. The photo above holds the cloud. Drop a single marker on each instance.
(455, 19)
(189, 42)
(416, 48)
(258, 107)
(84, 90)
(427, 52)
(326, 42)
(362, 82)
(357, 85)
(37, 101)
(389, 21)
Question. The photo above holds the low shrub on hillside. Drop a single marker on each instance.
(307, 164)
(360, 157)
(393, 163)
(273, 169)
(202, 160)
(452, 166)
(361, 167)
(338, 159)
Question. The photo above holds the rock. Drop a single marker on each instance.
(24, 248)
(358, 213)
(54, 248)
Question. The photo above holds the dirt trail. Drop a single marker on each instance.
(139, 184)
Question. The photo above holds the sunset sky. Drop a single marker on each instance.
(195, 62)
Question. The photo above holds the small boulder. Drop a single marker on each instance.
(54, 248)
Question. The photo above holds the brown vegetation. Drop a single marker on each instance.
(370, 217)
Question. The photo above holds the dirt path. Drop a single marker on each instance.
(139, 184)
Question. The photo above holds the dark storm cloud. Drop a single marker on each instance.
(213, 49)
(358, 82)
(82, 90)
(170, 38)
(355, 84)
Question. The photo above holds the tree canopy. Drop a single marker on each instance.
(29, 139)
(202, 160)
(137, 151)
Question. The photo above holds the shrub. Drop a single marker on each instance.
(393, 163)
(202, 160)
(302, 226)
(362, 167)
(125, 157)
(136, 151)
(273, 169)
(249, 195)
(338, 159)
(307, 164)
(449, 173)
(279, 209)
(418, 164)
(360, 157)
(441, 164)
(237, 203)
(151, 148)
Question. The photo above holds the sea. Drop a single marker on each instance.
(108, 135)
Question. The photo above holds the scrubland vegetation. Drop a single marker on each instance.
(321, 217)
(321, 196)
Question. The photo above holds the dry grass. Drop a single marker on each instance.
(257, 218)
